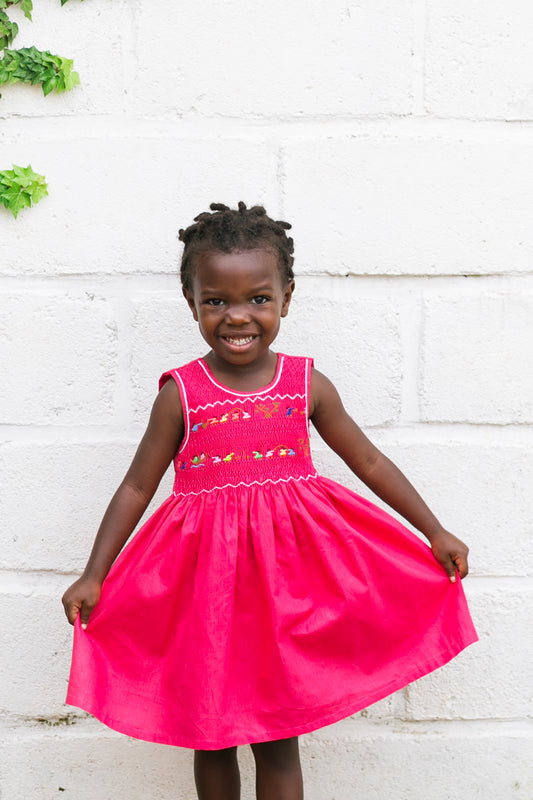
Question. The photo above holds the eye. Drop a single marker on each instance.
(260, 299)
(214, 301)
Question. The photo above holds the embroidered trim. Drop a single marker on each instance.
(266, 397)
(203, 459)
(239, 414)
(242, 483)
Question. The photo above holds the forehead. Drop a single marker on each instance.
(215, 268)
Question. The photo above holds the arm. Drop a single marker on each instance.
(154, 454)
(340, 432)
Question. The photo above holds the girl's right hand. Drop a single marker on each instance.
(80, 599)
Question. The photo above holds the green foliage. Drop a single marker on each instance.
(8, 30)
(26, 6)
(29, 65)
(21, 187)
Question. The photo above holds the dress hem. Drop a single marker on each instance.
(346, 710)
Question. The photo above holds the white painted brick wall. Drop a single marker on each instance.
(396, 136)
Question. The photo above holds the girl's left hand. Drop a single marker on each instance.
(452, 553)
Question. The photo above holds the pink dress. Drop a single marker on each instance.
(261, 600)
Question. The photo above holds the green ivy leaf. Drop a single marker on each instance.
(20, 188)
(26, 6)
(29, 65)
(8, 30)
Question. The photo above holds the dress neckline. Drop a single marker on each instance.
(263, 389)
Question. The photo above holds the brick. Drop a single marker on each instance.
(468, 760)
(413, 763)
(355, 342)
(75, 484)
(164, 336)
(478, 60)
(85, 761)
(116, 203)
(419, 206)
(290, 60)
(58, 360)
(35, 658)
(477, 359)
(75, 32)
(492, 678)
(454, 479)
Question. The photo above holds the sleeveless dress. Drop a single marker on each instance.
(261, 600)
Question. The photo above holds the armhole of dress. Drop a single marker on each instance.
(184, 404)
(308, 367)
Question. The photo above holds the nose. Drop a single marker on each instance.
(238, 314)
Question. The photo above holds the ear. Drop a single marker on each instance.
(287, 294)
(190, 300)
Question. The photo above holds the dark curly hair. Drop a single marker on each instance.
(227, 229)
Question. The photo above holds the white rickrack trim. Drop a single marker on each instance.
(262, 397)
(242, 483)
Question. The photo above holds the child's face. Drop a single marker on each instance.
(238, 299)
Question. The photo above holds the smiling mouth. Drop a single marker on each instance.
(238, 341)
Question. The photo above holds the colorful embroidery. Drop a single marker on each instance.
(238, 414)
(202, 460)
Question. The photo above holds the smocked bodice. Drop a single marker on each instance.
(242, 438)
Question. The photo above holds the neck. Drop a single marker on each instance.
(244, 377)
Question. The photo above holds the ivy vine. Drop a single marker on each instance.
(29, 65)
(21, 187)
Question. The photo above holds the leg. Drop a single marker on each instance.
(278, 771)
(216, 773)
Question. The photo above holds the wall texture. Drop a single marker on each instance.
(397, 136)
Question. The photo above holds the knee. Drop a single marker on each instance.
(281, 754)
(215, 756)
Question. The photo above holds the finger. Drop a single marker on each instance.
(462, 565)
(449, 566)
(71, 610)
(85, 613)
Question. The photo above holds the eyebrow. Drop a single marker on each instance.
(265, 287)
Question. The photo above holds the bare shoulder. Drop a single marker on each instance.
(323, 395)
(167, 407)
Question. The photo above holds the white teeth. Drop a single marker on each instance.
(240, 341)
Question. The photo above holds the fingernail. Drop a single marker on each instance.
(84, 624)
(452, 578)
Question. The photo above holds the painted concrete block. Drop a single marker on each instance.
(477, 359)
(35, 659)
(420, 762)
(492, 678)
(58, 359)
(478, 60)
(355, 342)
(88, 762)
(116, 203)
(288, 60)
(63, 511)
(414, 205)
(97, 38)
(481, 492)
(401, 762)
(164, 335)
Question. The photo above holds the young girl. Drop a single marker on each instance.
(261, 600)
